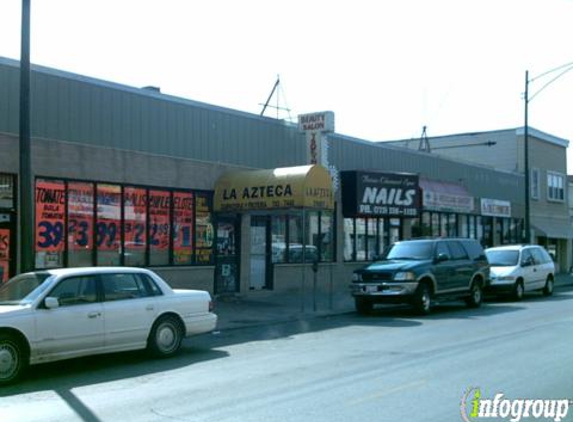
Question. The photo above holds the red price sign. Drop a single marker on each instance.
(159, 227)
(50, 210)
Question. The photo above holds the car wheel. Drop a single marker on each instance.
(549, 285)
(363, 306)
(476, 296)
(165, 337)
(423, 299)
(518, 290)
(13, 359)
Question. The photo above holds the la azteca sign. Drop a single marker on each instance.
(256, 192)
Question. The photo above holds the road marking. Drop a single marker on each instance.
(387, 392)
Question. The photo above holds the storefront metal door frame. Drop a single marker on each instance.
(260, 248)
(227, 256)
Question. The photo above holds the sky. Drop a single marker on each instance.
(385, 68)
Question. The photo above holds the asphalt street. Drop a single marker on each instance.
(391, 366)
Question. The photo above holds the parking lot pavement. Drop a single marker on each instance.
(267, 307)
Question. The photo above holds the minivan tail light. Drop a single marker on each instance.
(211, 306)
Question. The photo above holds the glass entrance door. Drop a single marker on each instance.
(258, 255)
(227, 258)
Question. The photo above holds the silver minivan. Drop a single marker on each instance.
(516, 269)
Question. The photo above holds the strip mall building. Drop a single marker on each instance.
(232, 202)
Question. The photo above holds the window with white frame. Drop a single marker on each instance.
(534, 185)
(555, 187)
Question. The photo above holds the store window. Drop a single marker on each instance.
(452, 225)
(279, 238)
(360, 240)
(183, 228)
(108, 224)
(287, 237)
(205, 233)
(159, 227)
(7, 191)
(463, 229)
(80, 224)
(135, 226)
(395, 230)
(50, 198)
(555, 187)
(435, 224)
(312, 241)
(382, 236)
(365, 239)
(371, 239)
(472, 227)
(326, 241)
(534, 183)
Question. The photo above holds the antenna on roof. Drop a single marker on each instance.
(424, 144)
(278, 108)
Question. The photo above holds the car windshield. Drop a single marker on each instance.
(23, 288)
(411, 250)
(500, 258)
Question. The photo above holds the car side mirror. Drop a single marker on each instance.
(51, 302)
(442, 257)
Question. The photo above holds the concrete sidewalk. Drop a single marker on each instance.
(267, 307)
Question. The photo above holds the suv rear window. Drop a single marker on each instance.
(457, 250)
(474, 249)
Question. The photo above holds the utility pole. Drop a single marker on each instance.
(527, 98)
(527, 228)
(26, 221)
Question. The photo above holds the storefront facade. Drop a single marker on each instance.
(210, 197)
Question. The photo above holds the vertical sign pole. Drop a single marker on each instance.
(26, 185)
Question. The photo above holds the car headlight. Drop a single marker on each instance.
(405, 276)
(356, 277)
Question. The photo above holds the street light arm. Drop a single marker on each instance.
(552, 80)
(551, 71)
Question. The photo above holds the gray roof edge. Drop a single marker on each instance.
(520, 131)
(377, 144)
(139, 91)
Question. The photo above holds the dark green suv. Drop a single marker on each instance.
(421, 271)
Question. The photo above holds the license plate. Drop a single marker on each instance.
(370, 289)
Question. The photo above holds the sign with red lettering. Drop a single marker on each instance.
(183, 227)
(50, 213)
(205, 232)
(108, 217)
(135, 209)
(159, 228)
(80, 216)
(4, 254)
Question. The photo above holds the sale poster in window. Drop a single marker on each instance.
(159, 228)
(134, 226)
(50, 198)
(4, 255)
(205, 232)
(182, 228)
(108, 217)
(80, 216)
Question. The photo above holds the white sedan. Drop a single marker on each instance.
(70, 312)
